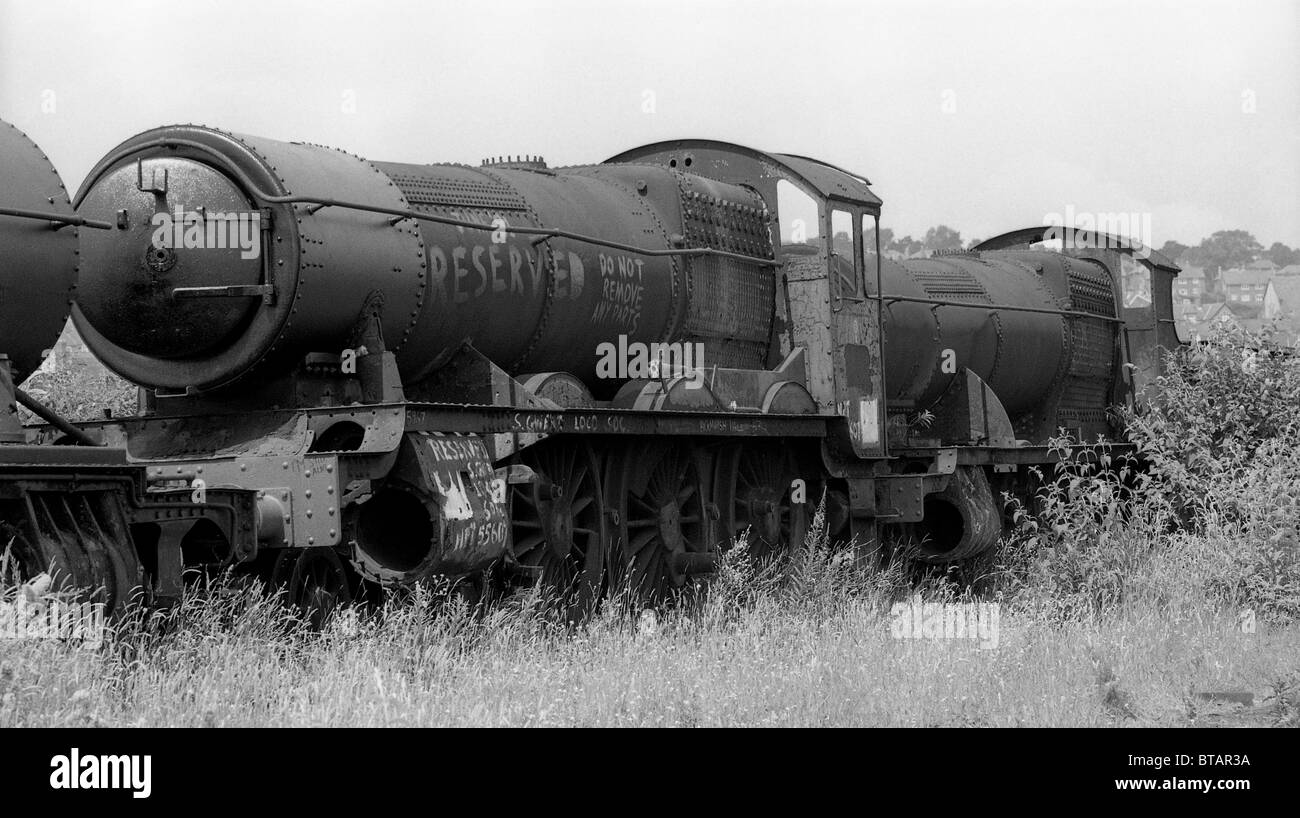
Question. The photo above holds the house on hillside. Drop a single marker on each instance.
(1262, 264)
(1245, 286)
(1289, 270)
(1282, 304)
(1189, 286)
(1195, 323)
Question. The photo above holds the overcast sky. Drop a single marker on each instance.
(985, 116)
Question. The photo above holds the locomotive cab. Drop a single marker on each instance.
(1143, 283)
(824, 304)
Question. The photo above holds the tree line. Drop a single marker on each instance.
(1224, 249)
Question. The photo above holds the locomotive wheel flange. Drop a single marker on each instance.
(559, 521)
(667, 523)
(282, 567)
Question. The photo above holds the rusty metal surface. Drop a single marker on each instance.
(31, 250)
(1059, 327)
(11, 426)
(528, 304)
(1031, 235)
(839, 328)
(158, 439)
(969, 496)
(1094, 350)
(471, 281)
(127, 289)
(301, 493)
(318, 266)
(439, 513)
(74, 531)
(730, 302)
(85, 513)
(707, 156)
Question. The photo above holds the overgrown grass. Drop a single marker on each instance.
(812, 651)
(82, 393)
(1206, 514)
(1127, 589)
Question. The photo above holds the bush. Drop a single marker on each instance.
(1221, 425)
(1206, 511)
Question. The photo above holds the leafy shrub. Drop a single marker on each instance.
(1093, 526)
(1208, 506)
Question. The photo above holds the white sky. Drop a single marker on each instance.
(1131, 106)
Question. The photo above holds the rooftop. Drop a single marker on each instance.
(1239, 277)
(1288, 293)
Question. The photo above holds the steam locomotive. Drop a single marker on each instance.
(381, 372)
(81, 513)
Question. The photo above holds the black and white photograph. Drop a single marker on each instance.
(649, 363)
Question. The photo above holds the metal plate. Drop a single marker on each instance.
(31, 318)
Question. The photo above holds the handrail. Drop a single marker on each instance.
(997, 307)
(320, 202)
(60, 220)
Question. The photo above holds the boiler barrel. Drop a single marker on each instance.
(213, 308)
(38, 264)
(998, 314)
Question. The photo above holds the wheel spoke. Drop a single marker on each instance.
(644, 503)
(680, 477)
(642, 540)
(569, 467)
(529, 542)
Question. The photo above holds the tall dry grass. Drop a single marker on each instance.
(1124, 593)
